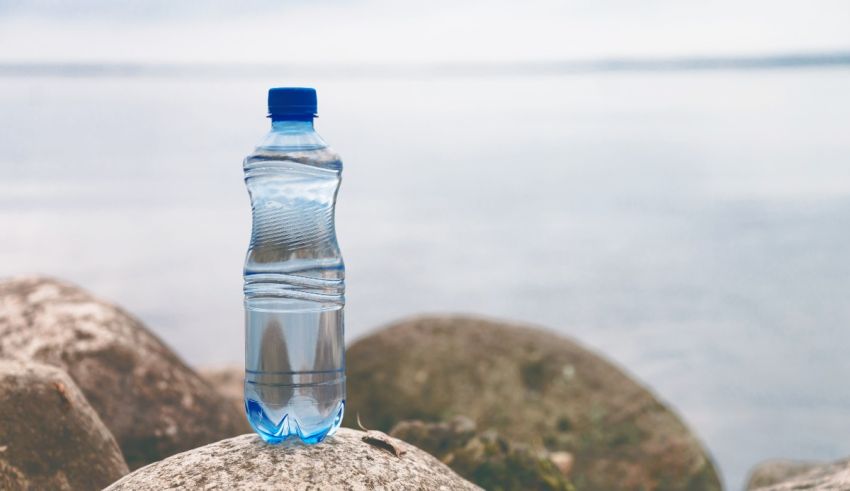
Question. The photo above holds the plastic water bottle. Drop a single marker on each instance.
(294, 278)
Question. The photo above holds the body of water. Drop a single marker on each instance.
(690, 225)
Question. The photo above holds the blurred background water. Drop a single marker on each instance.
(689, 223)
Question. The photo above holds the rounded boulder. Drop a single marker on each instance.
(348, 460)
(532, 386)
(50, 438)
(153, 403)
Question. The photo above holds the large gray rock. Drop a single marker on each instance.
(151, 401)
(533, 387)
(50, 438)
(343, 462)
(776, 471)
(822, 477)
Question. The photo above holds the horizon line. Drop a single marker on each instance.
(782, 61)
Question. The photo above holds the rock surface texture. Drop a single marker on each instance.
(776, 471)
(50, 438)
(485, 458)
(149, 399)
(343, 462)
(823, 477)
(531, 386)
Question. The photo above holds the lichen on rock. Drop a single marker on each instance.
(485, 458)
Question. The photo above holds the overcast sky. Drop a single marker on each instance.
(258, 31)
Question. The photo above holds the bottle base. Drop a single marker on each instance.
(288, 426)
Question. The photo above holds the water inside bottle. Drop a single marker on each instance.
(294, 380)
(294, 288)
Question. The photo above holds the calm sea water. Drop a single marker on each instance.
(691, 226)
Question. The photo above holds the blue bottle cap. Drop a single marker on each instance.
(292, 101)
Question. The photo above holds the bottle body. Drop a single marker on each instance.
(294, 288)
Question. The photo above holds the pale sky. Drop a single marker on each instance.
(260, 31)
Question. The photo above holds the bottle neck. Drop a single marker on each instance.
(293, 124)
(293, 134)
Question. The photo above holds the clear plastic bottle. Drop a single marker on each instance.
(294, 278)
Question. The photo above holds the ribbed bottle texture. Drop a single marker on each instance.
(294, 289)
